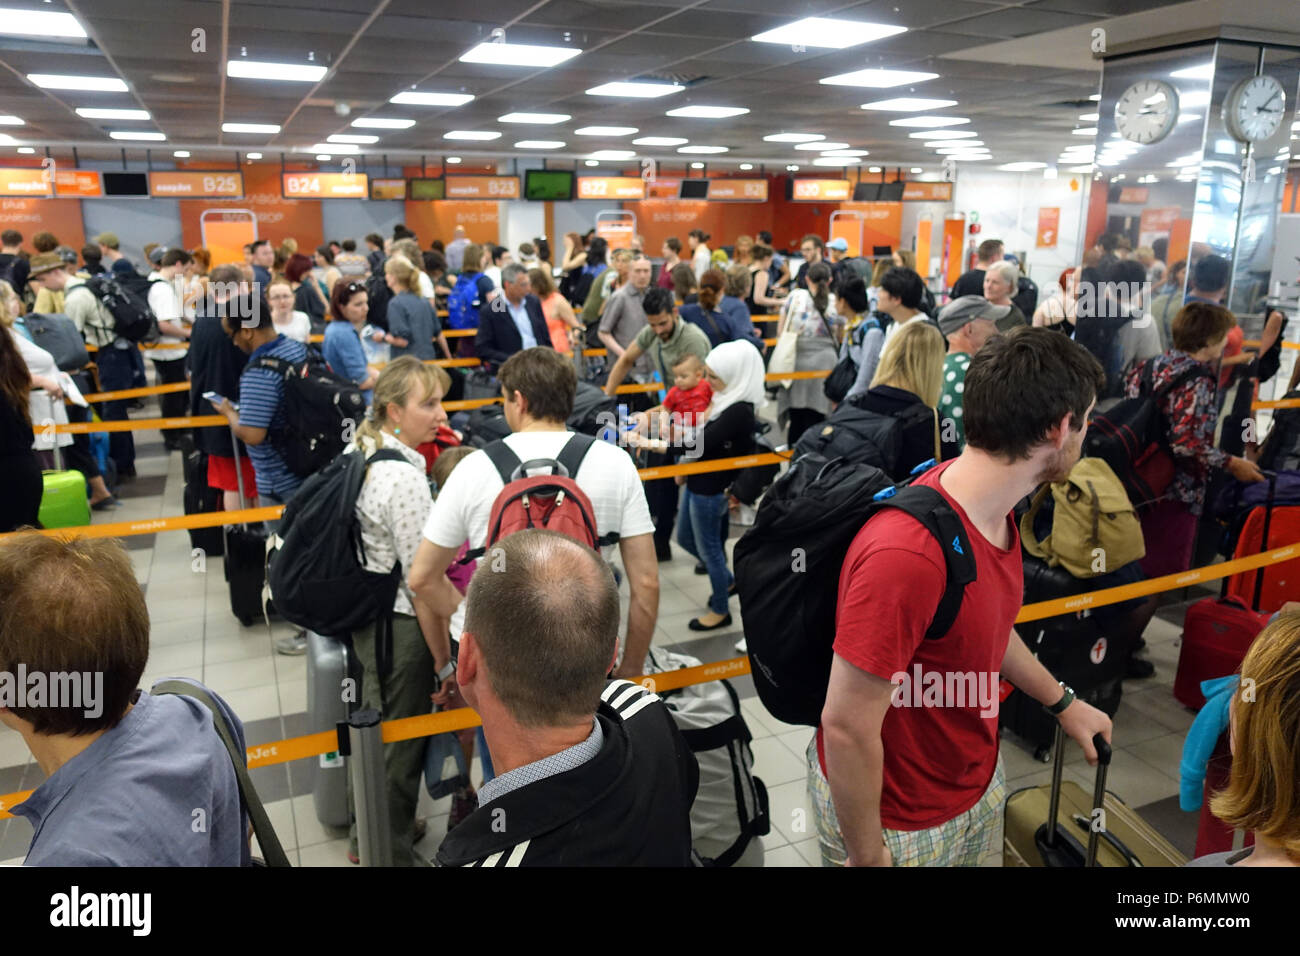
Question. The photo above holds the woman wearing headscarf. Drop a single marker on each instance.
(735, 372)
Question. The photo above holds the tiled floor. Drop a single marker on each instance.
(195, 635)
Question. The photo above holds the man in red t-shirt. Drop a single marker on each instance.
(904, 769)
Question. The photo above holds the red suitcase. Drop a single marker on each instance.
(1213, 835)
(1218, 632)
(1265, 529)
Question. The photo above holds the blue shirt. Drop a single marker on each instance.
(262, 276)
(519, 313)
(343, 352)
(261, 405)
(411, 317)
(136, 796)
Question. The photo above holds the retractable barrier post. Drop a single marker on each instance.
(369, 788)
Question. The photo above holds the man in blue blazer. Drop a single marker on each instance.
(512, 322)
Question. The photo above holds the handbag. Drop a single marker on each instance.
(58, 335)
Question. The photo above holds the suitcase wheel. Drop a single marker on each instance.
(1043, 754)
(246, 620)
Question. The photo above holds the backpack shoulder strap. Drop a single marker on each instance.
(574, 451)
(266, 837)
(272, 364)
(932, 510)
(571, 457)
(503, 459)
(386, 454)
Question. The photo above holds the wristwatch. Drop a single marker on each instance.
(447, 671)
(1066, 700)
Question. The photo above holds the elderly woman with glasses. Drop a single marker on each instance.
(348, 307)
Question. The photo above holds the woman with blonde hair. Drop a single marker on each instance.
(412, 324)
(391, 511)
(1263, 791)
(907, 385)
(744, 251)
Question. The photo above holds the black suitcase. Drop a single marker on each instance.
(245, 547)
(486, 425)
(1089, 651)
(200, 498)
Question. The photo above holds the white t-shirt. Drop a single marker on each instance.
(426, 286)
(297, 328)
(607, 476)
(494, 273)
(166, 305)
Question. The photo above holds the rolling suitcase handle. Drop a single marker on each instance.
(1098, 794)
(1268, 520)
(1058, 847)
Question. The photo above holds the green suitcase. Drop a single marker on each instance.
(64, 501)
(1121, 839)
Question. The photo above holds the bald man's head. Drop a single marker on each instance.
(544, 611)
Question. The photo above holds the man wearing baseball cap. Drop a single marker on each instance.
(967, 323)
(839, 250)
(113, 259)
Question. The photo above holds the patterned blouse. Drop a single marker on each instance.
(1192, 410)
(393, 506)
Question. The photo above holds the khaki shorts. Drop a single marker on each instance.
(965, 840)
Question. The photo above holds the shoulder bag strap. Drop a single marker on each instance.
(571, 457)
(267, 840)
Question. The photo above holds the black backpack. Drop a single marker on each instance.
(863, 437)
(126, 297)
(318, 407)
(845, 372)
(788, 573)
(58, 335)
(593, 410)
(1268, 363)
(378, 296)
(1133, 438)
(315, 564)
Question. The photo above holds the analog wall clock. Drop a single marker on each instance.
(1254, 108)
(1146, 111)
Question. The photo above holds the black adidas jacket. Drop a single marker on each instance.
(627, 806)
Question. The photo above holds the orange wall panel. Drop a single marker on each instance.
(277, 218)
(438, 220)
(59, 216)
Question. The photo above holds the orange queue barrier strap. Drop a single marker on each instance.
(455, 362)
(126, 529)
(468, 403)
(1254, 343)
(140, 424)
(782, 376)
(138, 392)
(715, 464)
(1169, 582)
(428, 725)
(1279, 403)
(458, 333)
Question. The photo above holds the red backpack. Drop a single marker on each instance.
(552, 501)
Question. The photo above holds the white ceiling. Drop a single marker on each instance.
(1020, 106)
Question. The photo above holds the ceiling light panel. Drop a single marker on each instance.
(606, 131)
(63, 81)
(374, 122)
(539, 144)
(89, 112)
(519, 54)
(476, 134)
(877, 79)
(637, 90)
(535, 119)
(828, 33)
(266, 70)
(708, 112)
(804, 137)
(418, 98)
(908, 104)
(821, 146)
(660, 141)
(930, 122)
(40, 23)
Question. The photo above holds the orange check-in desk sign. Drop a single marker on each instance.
(25, 181)
(611, 187)
(824, 190)
(78, 183)
(205, 184)
(309, 185)
(738, 190)
(482, 187)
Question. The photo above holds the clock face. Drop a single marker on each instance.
(1254, 108)
(1146, 111)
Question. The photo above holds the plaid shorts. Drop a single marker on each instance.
(965, 840)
